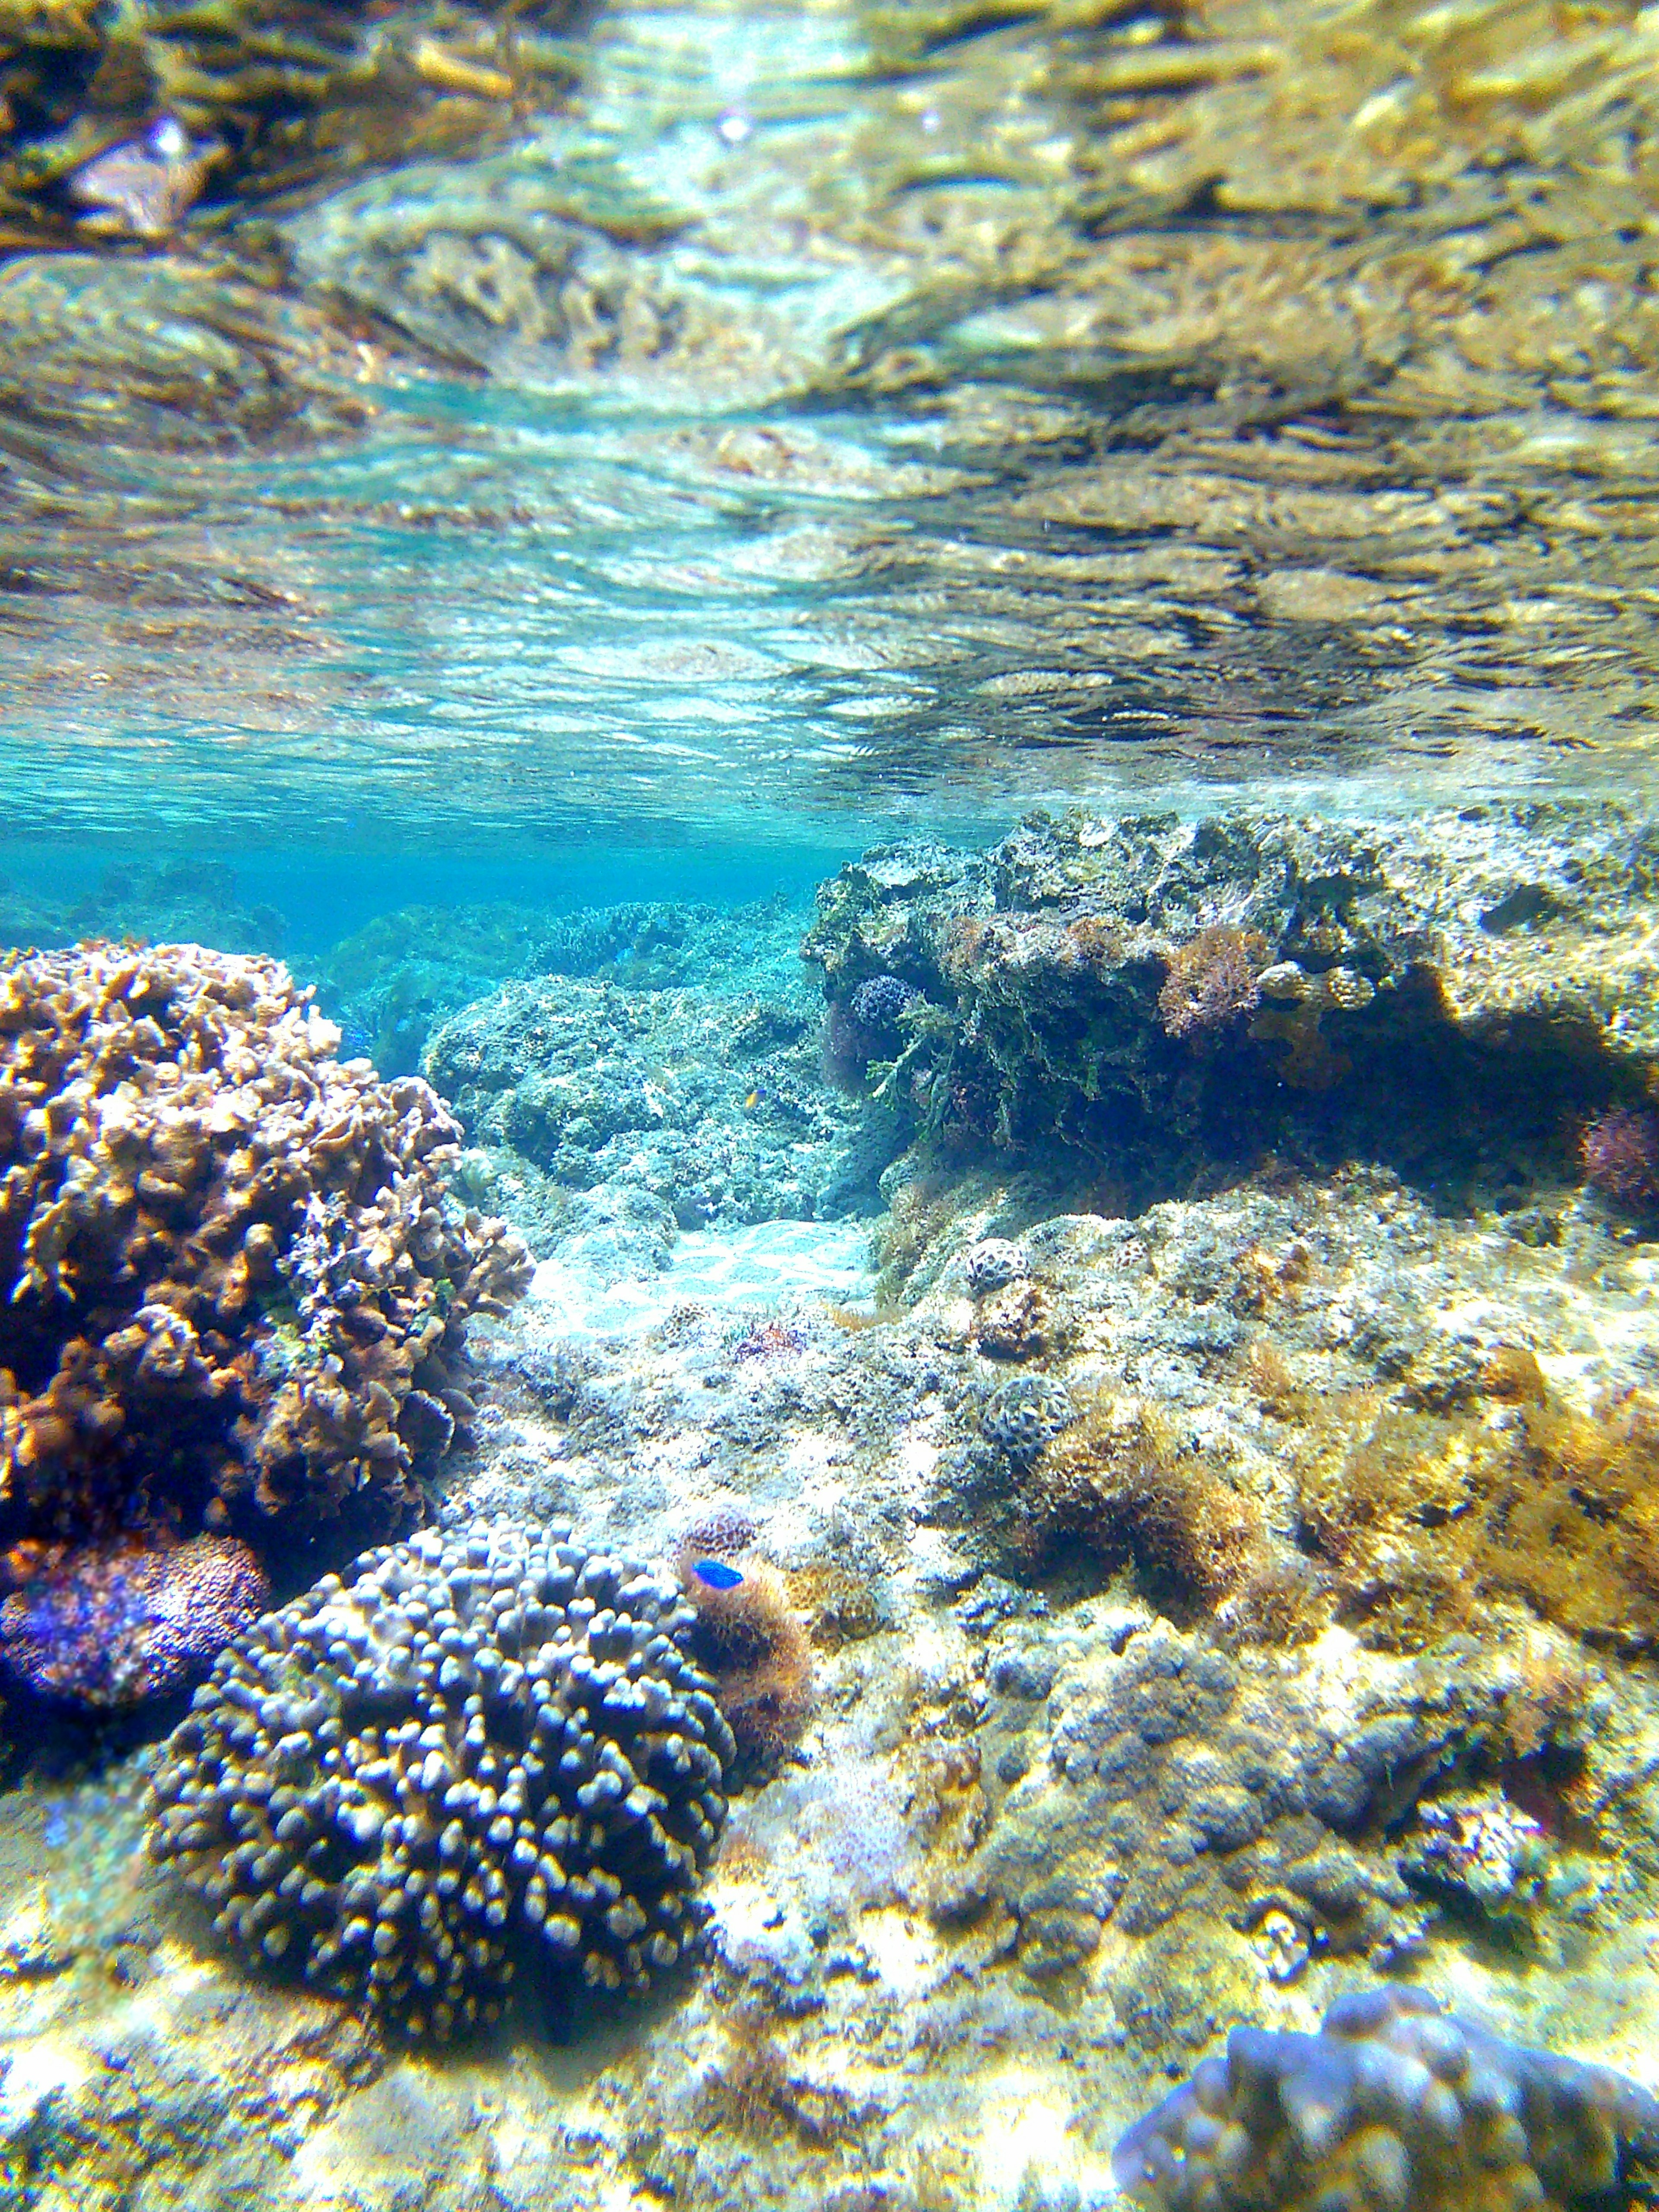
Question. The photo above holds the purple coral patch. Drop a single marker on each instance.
(113, 1625)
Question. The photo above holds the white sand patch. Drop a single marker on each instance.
(771, 1267)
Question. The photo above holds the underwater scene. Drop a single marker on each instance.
(828, 1105)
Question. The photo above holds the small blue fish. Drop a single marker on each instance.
(716, 1574)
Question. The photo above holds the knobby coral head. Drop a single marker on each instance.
(234, 1290)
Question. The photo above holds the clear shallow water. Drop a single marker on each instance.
(840, 422)
(822, 442)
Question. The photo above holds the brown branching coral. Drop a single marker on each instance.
(234, 1293)
(1116, 1480)
(1426, 1520)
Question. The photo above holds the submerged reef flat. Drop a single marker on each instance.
(1191, 1590)
(668, 1073)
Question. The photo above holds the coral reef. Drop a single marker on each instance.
(1479, 1852)
(1015, 1322)
(391, 983)
(488, 1745)
(1025, 1413)
(1394, 2102)
(993, 1263)
(169, 902)
(111, 1625)
(876, 1006)
(1164, 999)
(1182, 1788)
(236, 1294)
(707, 1100)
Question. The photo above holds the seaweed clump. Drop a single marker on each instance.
(1424, 1521)
(1116, 1480)
(749, 1636)
(233, 1292)
(1621, 1158)
(487, 1746)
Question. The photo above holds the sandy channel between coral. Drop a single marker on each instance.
(776, 1264)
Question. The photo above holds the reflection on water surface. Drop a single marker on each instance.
(895, 418)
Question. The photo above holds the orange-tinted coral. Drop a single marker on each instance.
(231, 1289)
(1424, 1520)
(1116, 1481)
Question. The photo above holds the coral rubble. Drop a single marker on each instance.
(1396, 2103)
(486, 1745)
(236, 1293)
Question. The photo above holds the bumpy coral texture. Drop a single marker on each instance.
(1396, 2106)
(113, 1626)
(1023, 1415)
(232, 1291)
(879, 1000)
(1176, 1787)
(993, 1263)
(488, 1748)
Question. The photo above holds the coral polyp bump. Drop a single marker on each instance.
(486, 1748)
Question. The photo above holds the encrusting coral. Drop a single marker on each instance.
(233, 1295)
(113, 1626)
(487, 1745)
(1396, 2106)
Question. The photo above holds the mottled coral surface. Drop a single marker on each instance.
(234, 1292)
(112, 1626)
(1395, 2104)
